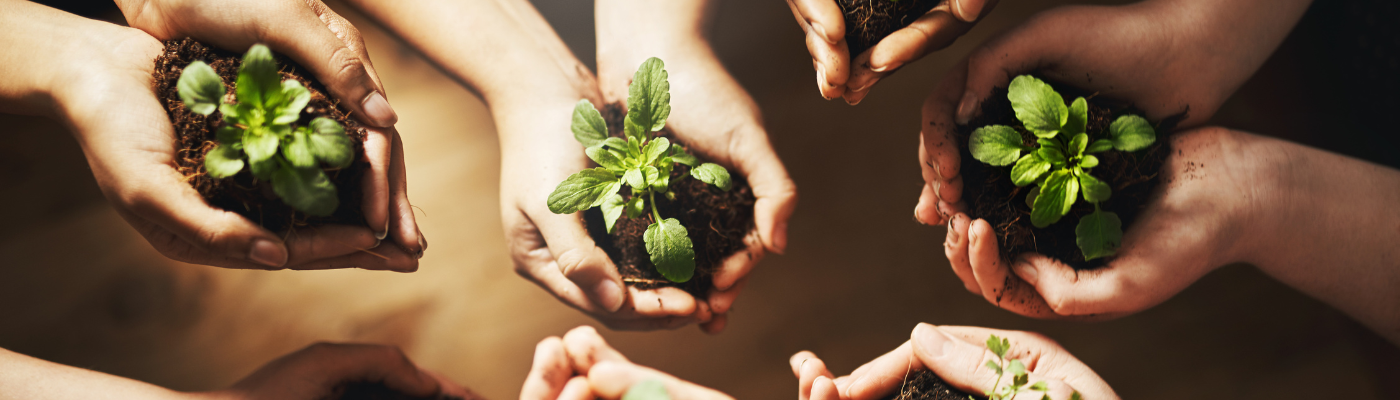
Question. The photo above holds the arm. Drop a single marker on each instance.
(25, 377)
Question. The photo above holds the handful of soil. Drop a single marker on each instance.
(1132, 176)
(243, 193)
(378, 391)
(716, 220)
(869, 21)
(925, 385)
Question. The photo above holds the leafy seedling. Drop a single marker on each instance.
(260, 131)
(650, 389)
(1060, 160)
(1020, 379)
(640, 162)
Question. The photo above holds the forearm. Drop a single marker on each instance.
(33, 38)
(1232, 38)
(28, 378)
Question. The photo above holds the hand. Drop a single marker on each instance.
(709, 111)
(958, 355)
(333, 51)
(825, 27)
(1163, 56)
(99, 84)
(323, 371)
(582, 366)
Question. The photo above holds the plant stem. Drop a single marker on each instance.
(651, 194)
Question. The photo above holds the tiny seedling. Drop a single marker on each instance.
(643, 163)
(259, 131)
(1020, 379)
(650, 389)
(1059, 163)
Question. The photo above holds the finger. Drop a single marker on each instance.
(1100, 293)
(955, 246)
(576, 389)
(862, 78)
(662, 302)
(809, 370)
(403, 223)
(1044, 359)
(971, 10)
(307, 37)
(997, 61)
(586, 347)
(798, 360)
(832, 65)
(549, 372)
(385, 257)
(939, 160)
(882, 376)
(716, 324)
(209, 236)
(823, 17)
(985, 257)
(823, 389)
(958, 362)
(738, 265)
(378, 190)
(722, 302)
(611, 379)
(580, 260)
(776, 194)
(312, 243)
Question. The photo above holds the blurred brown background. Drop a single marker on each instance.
(80, 287)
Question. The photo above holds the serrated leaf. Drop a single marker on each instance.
(1131, 133)
(636, 179)
(223, 161)
(605, 158)
(1037, 106)
(260, 144)
(258, 80)
(297, 150)
(997, 145)
(1077, 144)
(713, 174)
(200, 88)
(306, 189)
(1078, 117)
(649, 96)
(1095, 191)
(616, 143)
(612, 209)
(636, 206)
(1099, 146)
(1029, 168)
(583, 190)
(1099, 234)
(293, 99)
(329, 143)
(230, 135)
(670, 250)
(995, 345)
(992, 365)
(1051, 155)
(655, 149)
(1089, 161)
(1056, 196)
(650, 389)
(678, 154)
(588, 125)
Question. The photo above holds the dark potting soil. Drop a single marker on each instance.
(378, 391)
(925, 385)
(242, 193)
(715, 220)
(1132, 176)
(868, 21)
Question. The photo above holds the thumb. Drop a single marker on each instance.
(216, 235)
(956, 361)
(580, 259)
(329, 46)
(1067, 292)
(776, 194)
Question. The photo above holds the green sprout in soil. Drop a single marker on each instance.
(1020, 379)
(643, 163)
(258, 131)
(650, 389)
(1059, 166)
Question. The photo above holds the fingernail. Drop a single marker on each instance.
(422, 242)
(971, 235)
(966, 11)
(609, 294)
(965, 108)
(267, 253)
(931, 340)
(821, 82)
(886, 67)
(952, 232)
(856, 97)
(821, 32)
(854, 384)
(1027, 272)
(378, 110)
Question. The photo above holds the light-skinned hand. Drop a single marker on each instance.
(582, 366)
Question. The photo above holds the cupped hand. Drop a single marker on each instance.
(323, 371)
(332, 50)
(1191, 227)
(582, 366)
(850, 76)
(957, 354)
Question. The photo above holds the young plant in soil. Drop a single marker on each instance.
(1059, 163)
(869, 21)
(260, 132)
(925, 385)
(641, 162)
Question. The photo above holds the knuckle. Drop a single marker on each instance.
(347, 64)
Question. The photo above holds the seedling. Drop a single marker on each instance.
(1060, 161)
(1017, 370)
(650, 389)
(643, 163)
(259, 131)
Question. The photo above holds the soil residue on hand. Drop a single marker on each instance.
(868, 21)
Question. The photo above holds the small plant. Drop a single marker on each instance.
(1059, 165)
(1017, 370)
(643, 163)
(258, 131)
(650, 389)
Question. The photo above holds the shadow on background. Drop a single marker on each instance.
(80, 287)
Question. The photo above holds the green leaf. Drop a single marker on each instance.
(306, 189)
(1077, 144)
(1078, 117)
(1051, 143)
(265, 168)
(713, 174)
(260, 144)
(1095, 191)
(612, 209)
(670, 250)
(1037, 106)
(294, 98)
(605, 158)
(1076, 396)
(1056, 196)
(633, 131)
(650, 389)
(588, 125)
(1020, 379)
(200, 88)
(258, 80)
(649, 96)
(223, 161)
(297, 151)
(679, 154)
(1016, 368)
(1051, 155)
(1131, 133)
(636, 179)
(1029, 168)
(1089, 161)
(634, 148)
(662, 181)
(997, 145)
(230, 135)
(241, 113)
(1039, 386)
(992, 365)
(655, 149)
(329, 143)
(1030, 196)
(652, 175)
(1099, 234)
(583, 190)
(1099, 146)
(636, 206)
(996, 345)
(616, 143)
